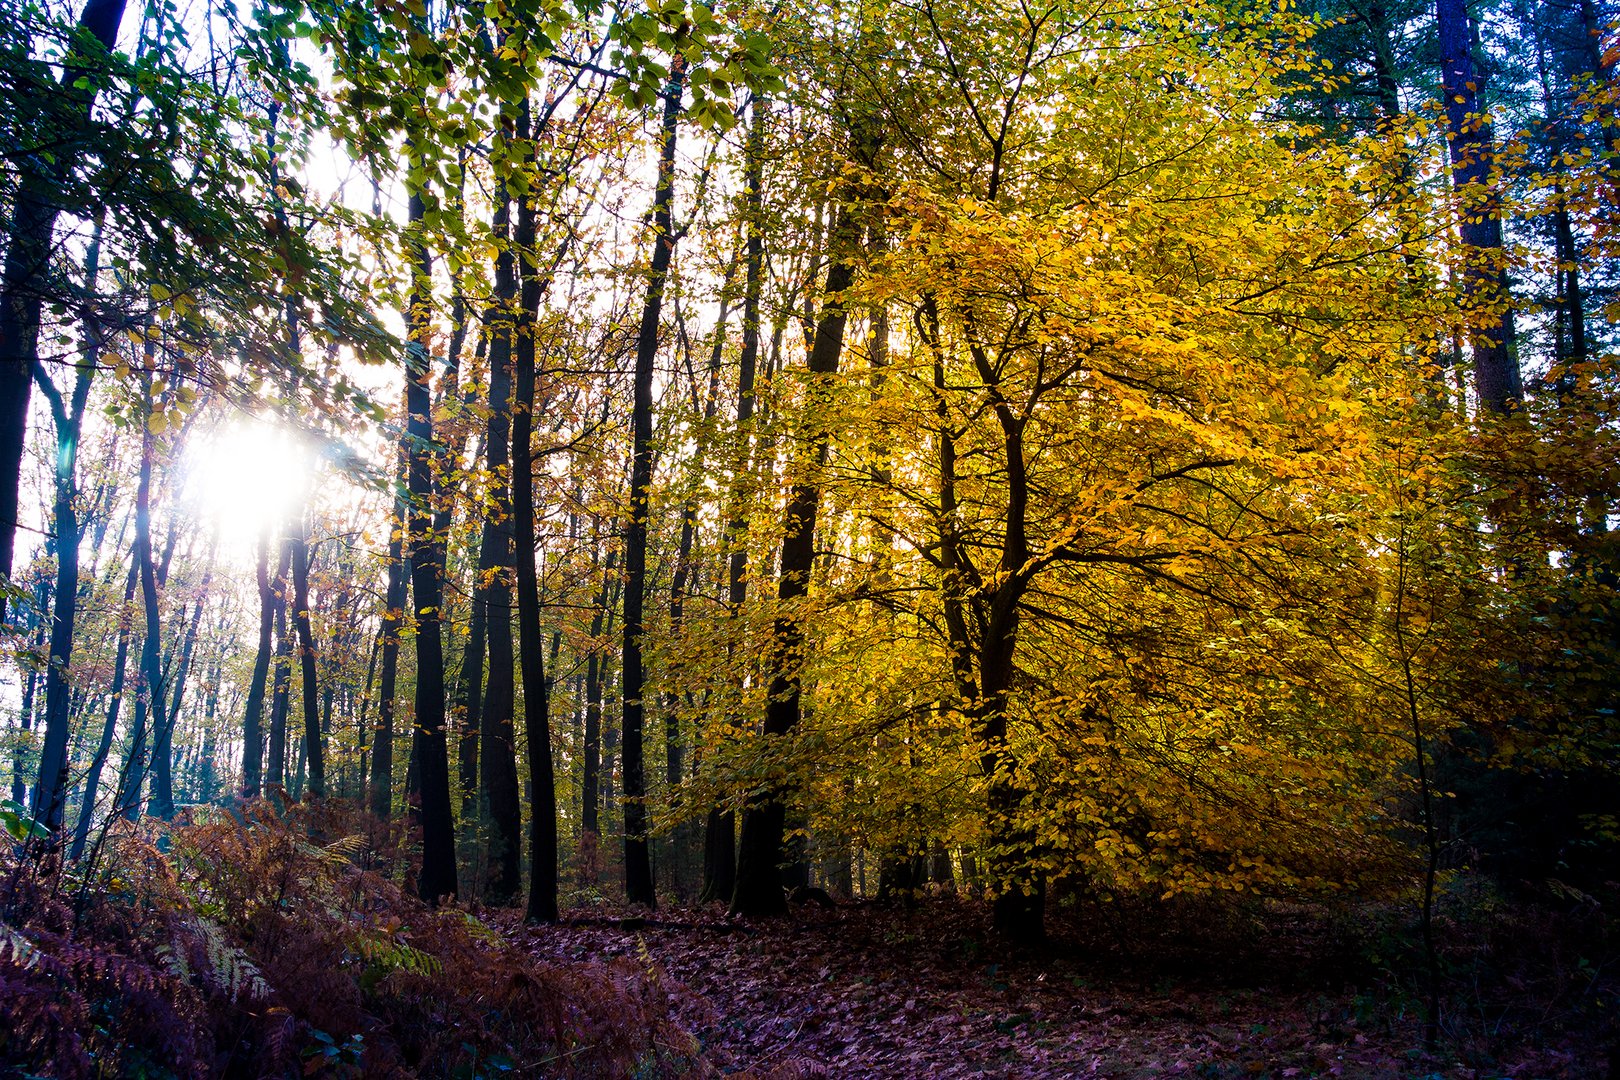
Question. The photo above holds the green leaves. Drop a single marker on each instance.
(718, 61)
(15, 820)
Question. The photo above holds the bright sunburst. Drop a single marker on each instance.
(243, 477)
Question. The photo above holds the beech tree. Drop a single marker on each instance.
(1081, 378)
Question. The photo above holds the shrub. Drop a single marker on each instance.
(247, 943)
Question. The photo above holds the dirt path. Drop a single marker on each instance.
(868, 992)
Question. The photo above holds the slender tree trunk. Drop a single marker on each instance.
(601, 624)
(638, 880)
(31, 221)
(493, 605)
(161, 802)
(438, 877)
(37, 635)
(1487, 297)
(253, 713)
(151, 646)
(115, 695)
(467, 702)
(50, 790)
(207, 779)
(281, 676)
(313, 751)
(760, 849)
(720, 827)
(542, 906)
(382, 748)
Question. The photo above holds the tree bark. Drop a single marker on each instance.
(638, 879)
(1487, 297)
(253, 712)
(382, 748)
(720, 827)
(115, 694)
(438, 876)
(151, 663)
(759, 850)
(314, 752)
(542, 906)
(27, 260)
(280, 676)
(591, 782)
(493, 604)
(50, 790)
(160, 804)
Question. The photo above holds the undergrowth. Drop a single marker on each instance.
(248, 943)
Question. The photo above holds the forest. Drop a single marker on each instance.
(876, 538)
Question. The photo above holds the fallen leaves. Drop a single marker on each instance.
(872, 993)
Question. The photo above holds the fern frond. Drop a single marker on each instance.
(230, 970)
(17, 948)
(348, 848)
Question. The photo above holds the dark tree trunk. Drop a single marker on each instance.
(493, 604)
(1019, 905)
(37, 635)
(161, 802)
(601, 624)
(313, 751)
(207, 788)
(542, 906)
(720, 827)
(151, 661)
(382, 747)
(115, 695)
(27, 257)
(638, 879)
(760, 850)
(253, 714)
(1485, 281)
(467, 703)
(280, 676)
(680, 588)
(438, 877)
(50, 790)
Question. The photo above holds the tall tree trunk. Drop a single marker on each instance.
(493, 605)
(638, 879)
(467, 701)
(720, 827)
(27, 258)
(50, 790)
(161, 802)
(37, 635)
(760, 850)
(207, 788)
(151, 646)
(591, 783)
(681, 588)
(1487, 297)
(382, 747)
(115, 695)
(438, 877)
(280, 676)
(542, 906)
(313, 751)
(253, 713)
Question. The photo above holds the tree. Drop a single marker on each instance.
(637, 857)
(50, 790)
(32, 217)
(1487, 299)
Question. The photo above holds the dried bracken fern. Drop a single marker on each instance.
(248, 942)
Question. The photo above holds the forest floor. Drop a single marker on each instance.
(870, 991)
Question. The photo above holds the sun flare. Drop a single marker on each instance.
(243, 477)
